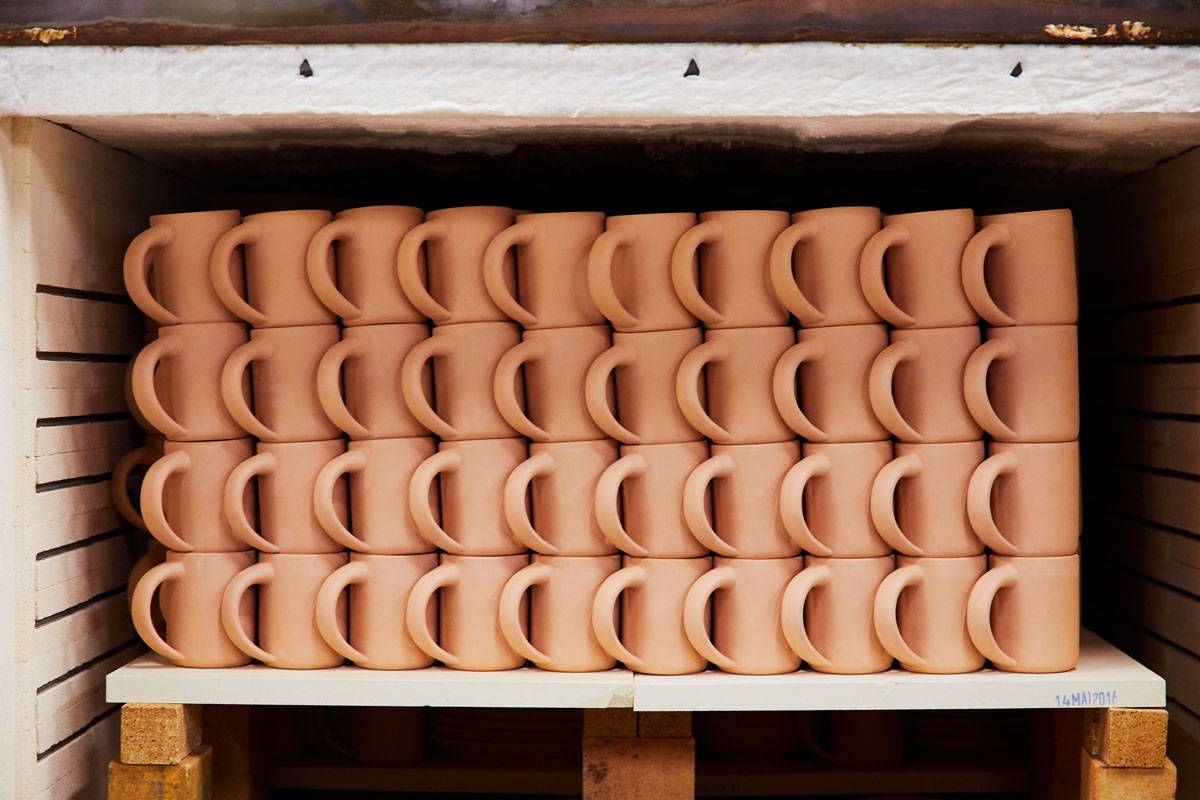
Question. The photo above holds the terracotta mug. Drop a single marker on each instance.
(155, 554)
(358, 381)
(130, 402)
(814, 265)
(652, 592)
(288, 585)
(182, 491)
(639, 500)
(824, 500)
(916, 385)
(551, 253)
(278, 292)
(1019, 269)
(1023, 614)
(380, 586)
(920, 613)
(286, 474)
(731, 287)
(1022, 384)
(922, 285)
(745, 480)
(121, 491)
(176, 381)
(645, 365)
(554, 364)
(736, 367)
(831, 366)
(472, 477)
(464, 404)
(745, 595)
(629, 272)
(449, 245)
(558, 484)
(468, 627)
(380, 472)
(192, 586)
(828, 614)
(560, 590)
(1024, 499)
(365, 240)
(172, 254)
(919, 500)
(284, 380)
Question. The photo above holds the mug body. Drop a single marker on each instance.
(924, 275)
(645, 388)
(833, 383)
(287, 603)
(277, 272)
(734, 268)
(928, 388)
(641, 270)
(552, 268)
(825, 264)
(652, 615)
(366, 263)
(285, 382)
(838, 614)
(191, 608)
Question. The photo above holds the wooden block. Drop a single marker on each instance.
(190, 779)
(158, 733)
(1101, 782)
(610, 722)
(665, 724)
(638, 769)
(1128, 737)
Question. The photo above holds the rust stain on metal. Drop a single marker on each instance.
(48, 35)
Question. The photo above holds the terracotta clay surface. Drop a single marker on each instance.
(828, 614)
(1025, 500)
(824, 499)
(629, 272)
(140, 458)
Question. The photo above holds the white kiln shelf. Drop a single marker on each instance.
(1105, 677)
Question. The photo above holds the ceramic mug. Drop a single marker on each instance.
(919, 500)
(380, 472)
(358, 381)
(554, 364)
(629, 272)
(920, 613)
(172, 254)
(175, 380)
(652, 639)
(922, 285)
(745, 595)
(814, 265)
(1024, 499)
(827, 614)
(551, 253)
(468, 626)
(561, 590)
(824, 499)
(645, 365)
(121, 493)
(130, 402)
(380, 586)
(1019, 269)
(284, 379)
(1022, 384)
(278, 292)
(731, 287)
(557, 483)
(192, 584)
(1023, 614)
(745, 481)
(365, 240)
(916, 385)
(287, 635)
(736, 367)
(182, 491)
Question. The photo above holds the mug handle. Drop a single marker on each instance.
(323, 488)
(979, 501)
(416, 615)
(412, 387)
(694, 490)
(870, 274)
(792, 614)
(783, 388)
(504, 387)
(326, 610)
(418, 499)
(153, 486)
(516, 513)
(683, 272)
(608, 503)
(887, 627)
(595, 392)
(232, 393)
(979, 614)
(408, 269)
(783, 274)
(141, 608)
(879, 388)
(511, 626)
(221, 277)
(791, 502)
(137, 271)
(520, 233)
(320, 277)
(687, 388)
(329, 388)
(142, 384)
(604, 613)
(142, 456)
(994, 234)
(233, 500)
(883, 502)
(975, 386)
(695, 621)
(231, 602)
(600, 278)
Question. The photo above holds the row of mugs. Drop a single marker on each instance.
(644, 272)
(502, 496)
(585, 613)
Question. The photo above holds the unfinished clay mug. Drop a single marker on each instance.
(1025, 498)
(824, 499)
(182, 492)
(629, 272)
(916, 385)
(122, 493)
